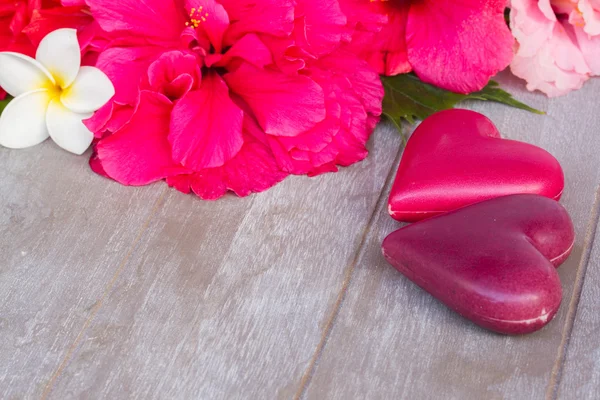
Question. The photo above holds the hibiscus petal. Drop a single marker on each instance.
(23, 121)
(364, 81)
(206, 126)
(252, 170)
(91, 90)
(379, 36)
(283, 105)
(59, 52)
(324, 23)
(209, 184)
(458, 46)
(249, 48)
(212, 19)
(273, 17)
(139, 153)
(173, 74)
(392, 43)
(153, 19)
(97, 123)
(47, 20)
(67, 129)
(20, 74)
(125, 67)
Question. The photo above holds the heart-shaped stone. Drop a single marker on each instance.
(457, 157)
(492, 262)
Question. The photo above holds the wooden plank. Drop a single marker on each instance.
(228, 299)
(63, 233)
(579, 377)
(392, 340)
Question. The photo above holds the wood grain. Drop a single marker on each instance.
(579, 377)
(392, 340)
(229, 299)
(63, 233)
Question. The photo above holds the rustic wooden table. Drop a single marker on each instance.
(114, 292)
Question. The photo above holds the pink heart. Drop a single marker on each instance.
(492, 262)
(457, 157)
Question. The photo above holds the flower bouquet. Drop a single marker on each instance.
(214, 96)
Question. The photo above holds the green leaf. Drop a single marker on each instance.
(493, 92)
(4, 103)
(408, 98)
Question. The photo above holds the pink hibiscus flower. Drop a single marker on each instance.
(558, 43)
(230, 94)
(456, 45)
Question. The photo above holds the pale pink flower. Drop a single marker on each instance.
(558, 43)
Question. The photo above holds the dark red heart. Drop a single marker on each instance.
(457, 157)
(492, 262)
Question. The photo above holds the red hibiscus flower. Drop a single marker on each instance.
(230, 94)
(456, 45)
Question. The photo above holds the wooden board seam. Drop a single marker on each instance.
(157, 206)
(557, 370)
(380, 206)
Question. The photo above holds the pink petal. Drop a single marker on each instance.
(273, 17)
(380, 33)
(590, 48)
(212, 19)
(549, 59)
(98, 121)
(125, 66)
(354, 97)
(287, 57)
(590, 10)
(208, 184)
(48, 20)
(139, 153)
(252, 170)
(365, 82)
(320, 25)
(392, 43)
(458, 46)
(284, 105)
(173, 74)
(121, 115)
(531, 25)
(109, 119)
(250, 49)
(157, 20)
(206, 127)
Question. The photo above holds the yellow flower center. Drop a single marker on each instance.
(197, 16)
(55, 91)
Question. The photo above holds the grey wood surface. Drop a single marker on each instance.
(113, 292)
(64, 233)
(580, 374)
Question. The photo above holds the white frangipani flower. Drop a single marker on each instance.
(52, 94)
